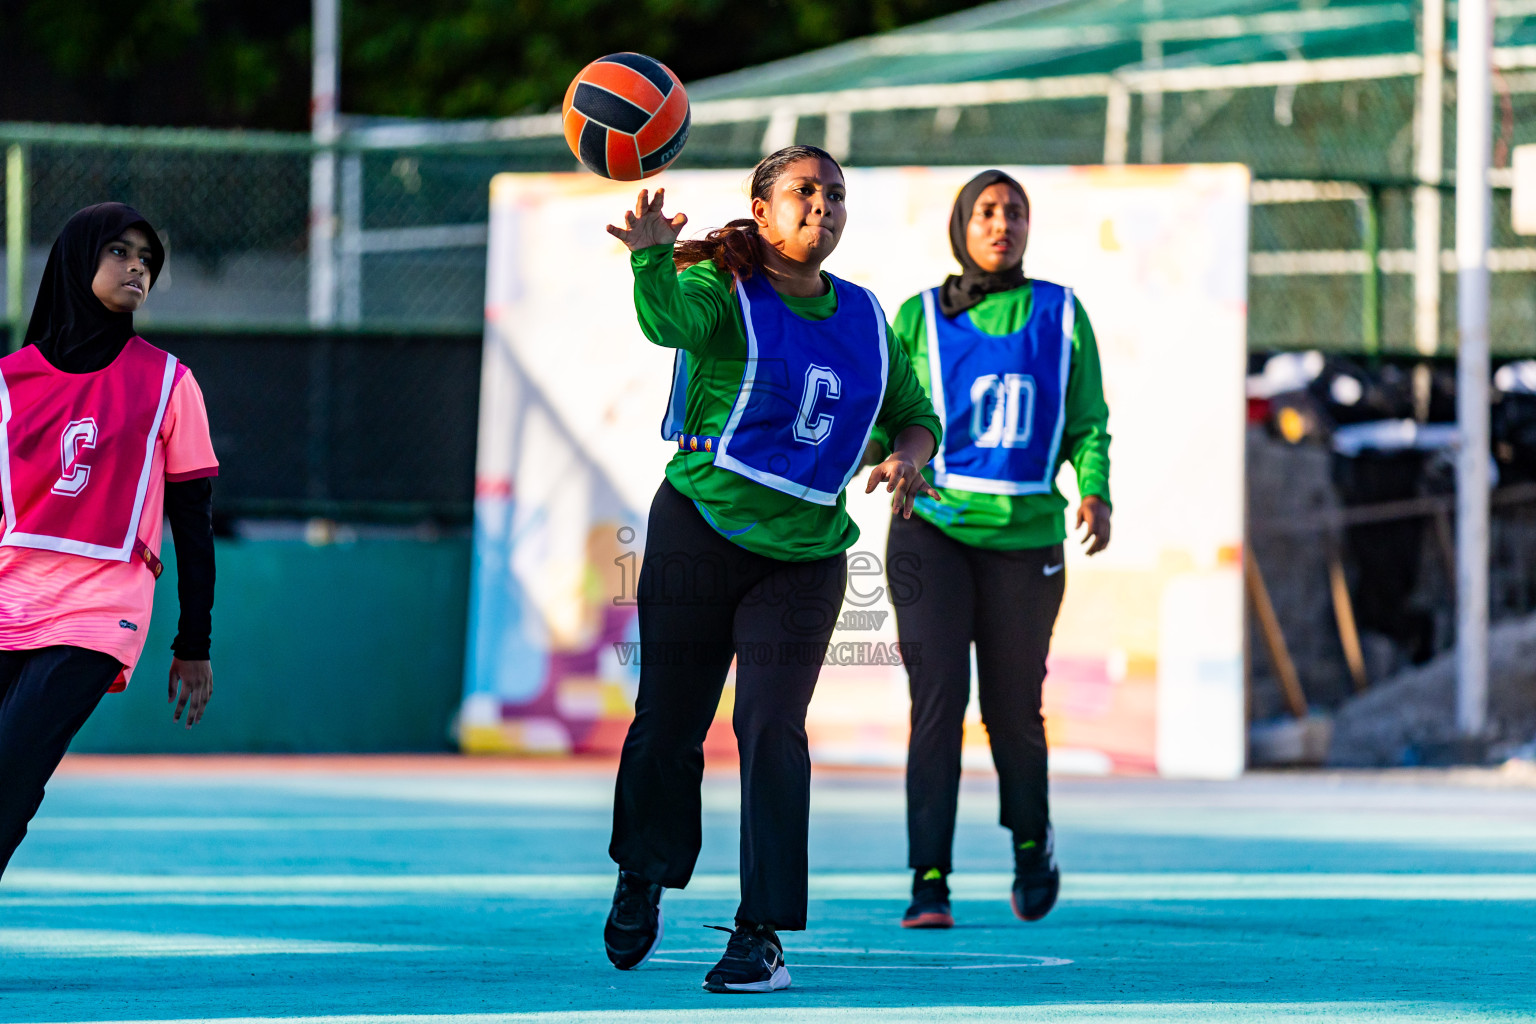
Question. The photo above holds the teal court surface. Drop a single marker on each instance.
(445, 891)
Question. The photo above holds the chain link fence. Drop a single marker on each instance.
(372, 417)
(1332, 266)
(1332, 262)
(234, 212)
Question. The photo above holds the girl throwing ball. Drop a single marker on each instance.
(781, 374)
(1013, 369)
(102, 436)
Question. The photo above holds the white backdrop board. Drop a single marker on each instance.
(1146, 670)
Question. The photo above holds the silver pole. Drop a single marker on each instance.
(349, 274)
(1429, 167)
(1151, 98)
(322, 169)
(1117, 123)
(1152, 103)
(1474, 201)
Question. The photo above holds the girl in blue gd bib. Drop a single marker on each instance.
(1013, 370)
(782, 373)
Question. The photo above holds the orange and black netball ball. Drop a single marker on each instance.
(625, 116)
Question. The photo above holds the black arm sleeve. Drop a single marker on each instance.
(189, 506)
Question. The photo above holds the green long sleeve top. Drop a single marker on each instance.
(1011, 522)
(697, 311)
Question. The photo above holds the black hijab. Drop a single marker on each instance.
(69, 325)
(973, 284)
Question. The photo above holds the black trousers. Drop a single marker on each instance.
(45, 697)
(703, 600)
(946, 595)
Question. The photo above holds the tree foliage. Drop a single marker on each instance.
(224, 62)
(492, 57)
(168, 62)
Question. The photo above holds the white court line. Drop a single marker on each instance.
(1119, 1012)
(1012, 960)
(1298, 885)
(555, 886)
(371, 823)
(1357, 813)
(799, 966)
(197, 900)
(1076, 886)
(58, 943)
(1486, 835)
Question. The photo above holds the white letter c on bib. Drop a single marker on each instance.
(78, 436)
(813, 427)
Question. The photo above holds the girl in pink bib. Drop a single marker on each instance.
(102, 437)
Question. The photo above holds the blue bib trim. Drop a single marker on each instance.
(673, 422)
(714, 525)
(809, 395)
(1002, 398)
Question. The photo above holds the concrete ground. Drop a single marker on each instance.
(443, 891)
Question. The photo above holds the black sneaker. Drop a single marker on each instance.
(930, 901)
(1036, 879)
(634, 924)
(753, 962)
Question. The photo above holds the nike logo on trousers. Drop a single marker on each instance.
(1052, 570)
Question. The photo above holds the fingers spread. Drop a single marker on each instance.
(642, 202)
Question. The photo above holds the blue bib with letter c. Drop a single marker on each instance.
(1002, 398)
(810, 392)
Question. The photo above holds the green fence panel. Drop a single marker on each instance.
(341, 648)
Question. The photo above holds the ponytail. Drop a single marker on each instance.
(735, 248)
(738, 247)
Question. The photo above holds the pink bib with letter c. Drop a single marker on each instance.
(76, 449)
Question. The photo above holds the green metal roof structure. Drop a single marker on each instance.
(1341, 109)
(1031, 39)
(1290, 87)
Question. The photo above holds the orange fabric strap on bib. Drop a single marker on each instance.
(142, 553)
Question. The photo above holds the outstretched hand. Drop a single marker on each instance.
(903, 480)
(902, 471)
(647, 225)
